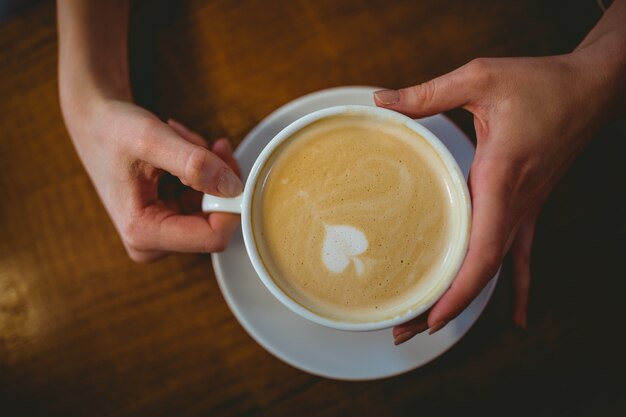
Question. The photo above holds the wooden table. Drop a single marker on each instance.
(84, 331)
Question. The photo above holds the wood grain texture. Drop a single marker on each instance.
(85, 332)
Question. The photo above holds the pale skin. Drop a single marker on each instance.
(126, 149)
(532, 116)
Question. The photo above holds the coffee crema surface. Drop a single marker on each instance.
(353, 217)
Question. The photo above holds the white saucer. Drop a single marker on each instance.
(308, 346)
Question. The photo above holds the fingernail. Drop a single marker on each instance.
(387, 97)
(436, 327)
(229, 185)
(403, 337)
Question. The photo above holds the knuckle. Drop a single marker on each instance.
(143, 141)
(148, 125)
(197, 166)
(479, 71)
(418, 95)
(132, 235)
(137, 256)
(425, 93)
(477, 65)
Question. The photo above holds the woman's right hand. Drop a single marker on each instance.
(126, 151)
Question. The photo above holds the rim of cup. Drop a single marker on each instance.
(457, 253)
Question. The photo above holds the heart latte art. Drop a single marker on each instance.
(343, 244)
(353, 217)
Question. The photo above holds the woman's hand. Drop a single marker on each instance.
(127, 150)
(532, 117)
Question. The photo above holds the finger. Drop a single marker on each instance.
(443, 93)
(521, 251)
(408, 330)
(221, 147)
(224, 150)
(194, 165)
(196, 233)
(164, 230)
(141, 256)
(484, 256)
(411, 325)
(187, 134)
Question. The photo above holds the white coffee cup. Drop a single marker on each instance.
(243, 205)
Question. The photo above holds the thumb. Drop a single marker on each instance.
(194, 165)
(444, 93)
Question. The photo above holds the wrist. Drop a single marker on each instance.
(78, 98)
(82, 104)
(93, 54)
(600, 76)
(601, 59)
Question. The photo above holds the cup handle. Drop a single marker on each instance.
(211, 203)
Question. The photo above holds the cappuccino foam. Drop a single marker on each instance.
(353, 218)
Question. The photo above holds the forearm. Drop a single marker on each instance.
(602, 58)
(611, 27)
(93, 52)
